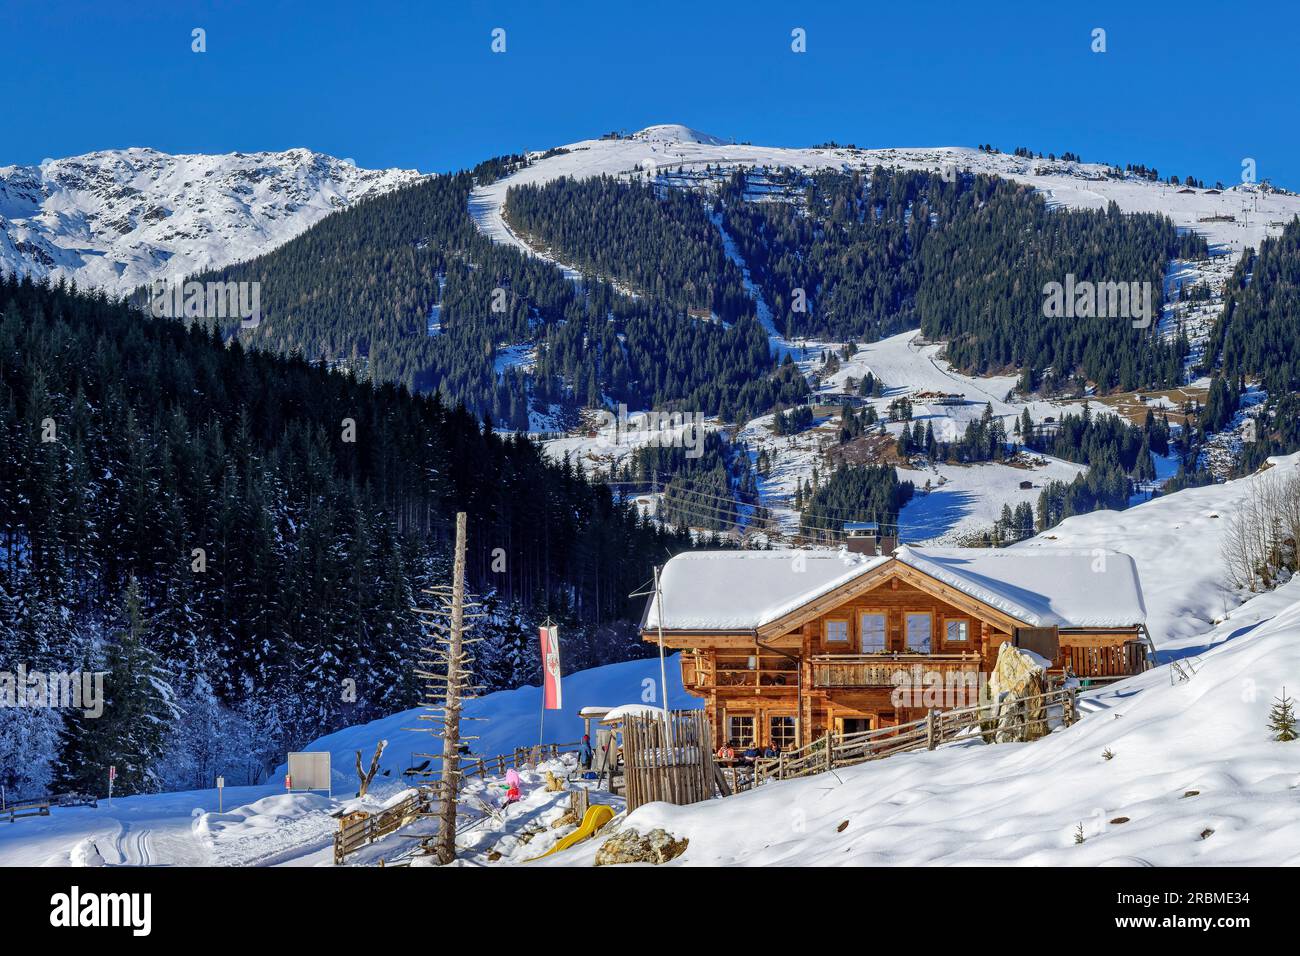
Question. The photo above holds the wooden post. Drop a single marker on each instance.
(446, 844)
(830, 750)
(931, 730)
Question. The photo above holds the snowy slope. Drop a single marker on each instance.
(117, 219)
(1176, 542)
(1194, 779)
(1070, 184)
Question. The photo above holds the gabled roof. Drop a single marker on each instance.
(743, 590)
(730, 591)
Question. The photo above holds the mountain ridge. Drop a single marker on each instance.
(119, 218)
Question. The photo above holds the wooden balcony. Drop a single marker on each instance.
(889, 670)
(702, 672)
(1122, 660)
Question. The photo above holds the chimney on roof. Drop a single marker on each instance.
(862, 537)
(888, 544)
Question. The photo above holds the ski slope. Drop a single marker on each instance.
(1255, 212)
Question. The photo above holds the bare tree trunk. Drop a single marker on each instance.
(446, 845)
(367, 777)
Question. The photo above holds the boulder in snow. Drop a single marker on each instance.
(630, 846)
(1018, 677)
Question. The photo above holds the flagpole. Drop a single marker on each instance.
(541, 719)
(663, 670)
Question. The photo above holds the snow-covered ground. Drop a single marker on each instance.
(1161, 770)
(120, 218)
(264, 826)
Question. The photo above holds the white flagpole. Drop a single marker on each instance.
(663, 670)
(545, 646)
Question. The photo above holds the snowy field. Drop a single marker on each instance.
(264, 826)
(1193, 777)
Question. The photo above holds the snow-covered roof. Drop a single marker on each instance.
(1041, 587)
(623, 711)
(742, 590)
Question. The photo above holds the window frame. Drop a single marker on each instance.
(965, 622)
(741, 741)
(882, 613)
(907, 637)
(848, 632)
(794, 731)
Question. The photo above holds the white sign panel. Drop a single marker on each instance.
(309, 770)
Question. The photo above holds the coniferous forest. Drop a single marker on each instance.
(239, 539)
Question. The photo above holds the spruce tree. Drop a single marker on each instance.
(1282, 718)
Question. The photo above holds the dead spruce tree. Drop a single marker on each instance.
(446, 668)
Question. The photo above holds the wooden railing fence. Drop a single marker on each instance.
(843, 750)
(362, 831)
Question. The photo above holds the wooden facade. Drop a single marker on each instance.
(876, 652)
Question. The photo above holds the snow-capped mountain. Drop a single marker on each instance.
(116, 219)
(1233, 218)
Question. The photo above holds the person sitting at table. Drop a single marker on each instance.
(751, 753)
(771, 751)
(727, 752)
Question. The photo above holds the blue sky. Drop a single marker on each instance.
(1190, 88)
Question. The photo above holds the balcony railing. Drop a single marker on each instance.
(888, 670)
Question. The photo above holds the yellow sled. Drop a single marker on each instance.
(595, 818)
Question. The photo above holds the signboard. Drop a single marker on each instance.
(309, 770)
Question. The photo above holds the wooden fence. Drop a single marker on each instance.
(27, 808)
(670, 761)
(843, 750)
(471, 766)
(356, 831)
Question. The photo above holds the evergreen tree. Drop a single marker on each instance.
(1282, 719)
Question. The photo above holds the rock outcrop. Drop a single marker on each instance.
(1018, 677)
(630, 846)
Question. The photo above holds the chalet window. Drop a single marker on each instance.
(918, 633)
(781, 732)
(872, 627)
(740, 731)
(837, 632)
(958, 632)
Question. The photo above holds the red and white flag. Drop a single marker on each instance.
(551, 693)
(112, 772)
